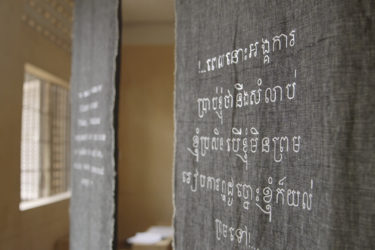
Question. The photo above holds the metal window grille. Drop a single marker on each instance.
(45, 139)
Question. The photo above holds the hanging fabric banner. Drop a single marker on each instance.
(275, 125)
(93, 92)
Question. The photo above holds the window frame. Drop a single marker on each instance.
(42, 201)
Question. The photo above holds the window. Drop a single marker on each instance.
(45, 141)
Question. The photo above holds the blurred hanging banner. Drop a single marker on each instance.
(93, 96)
(275, 125)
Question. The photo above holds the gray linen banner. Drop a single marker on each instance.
(275, 125)
(95, 44)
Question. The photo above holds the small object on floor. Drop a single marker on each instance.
(145, 238)
(155, 238)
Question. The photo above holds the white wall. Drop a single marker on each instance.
(36, 228)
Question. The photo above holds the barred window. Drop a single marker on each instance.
(45, 142)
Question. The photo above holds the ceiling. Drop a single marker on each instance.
(147, 11)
